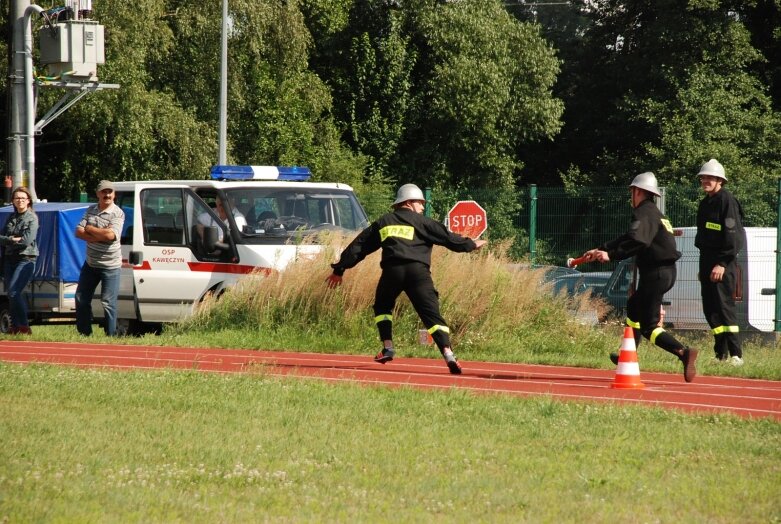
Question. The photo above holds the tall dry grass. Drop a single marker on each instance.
(484, 297)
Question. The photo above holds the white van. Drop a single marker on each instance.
(755, 296)
(175, 247)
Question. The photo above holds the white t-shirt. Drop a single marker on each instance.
(207, 220)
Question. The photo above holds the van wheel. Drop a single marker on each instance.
(5, 317)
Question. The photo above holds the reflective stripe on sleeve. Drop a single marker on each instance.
(380, 318)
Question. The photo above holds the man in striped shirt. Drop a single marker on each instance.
(101, 228)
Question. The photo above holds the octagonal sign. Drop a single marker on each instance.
(467, 218)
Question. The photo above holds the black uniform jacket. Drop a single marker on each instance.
(404, 236)
(720, 227)
(650, 238)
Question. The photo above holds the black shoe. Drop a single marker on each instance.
(452, 363)
(454, 367)
(614, 358)
(689, 359)
(386, 355)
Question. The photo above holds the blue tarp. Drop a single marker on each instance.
(61, 253)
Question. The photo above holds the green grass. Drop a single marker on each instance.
(181, 446)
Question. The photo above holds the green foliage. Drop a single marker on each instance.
(161, 123)
(440, 95)
(729, 120)
(661, 86)
(484, 90)
(367, 60)
(135, 132)
(459, 96)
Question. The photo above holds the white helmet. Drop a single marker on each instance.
(408, 192)
(713, 168)
(646, 181)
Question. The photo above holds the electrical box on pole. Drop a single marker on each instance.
(72, 49)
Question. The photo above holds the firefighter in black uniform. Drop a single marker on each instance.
(720, 236)
(650, 240)
(406, 238)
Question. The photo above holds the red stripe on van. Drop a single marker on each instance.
(212, 267)
(144, 265)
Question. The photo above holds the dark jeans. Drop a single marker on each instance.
(89, 278)
(18, 273)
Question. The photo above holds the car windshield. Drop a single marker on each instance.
(274, 212)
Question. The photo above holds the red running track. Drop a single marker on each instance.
(743, 397)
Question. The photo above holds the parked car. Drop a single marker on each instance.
(613, 287)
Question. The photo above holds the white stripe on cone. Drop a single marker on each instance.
(628, 368)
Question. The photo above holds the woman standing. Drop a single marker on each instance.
(20, 251)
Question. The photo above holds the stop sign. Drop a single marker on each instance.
(467, 218)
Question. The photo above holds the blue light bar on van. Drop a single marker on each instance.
(291, 173)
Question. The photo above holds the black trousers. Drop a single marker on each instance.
(414, 279)
(718, 306)
(644, 307)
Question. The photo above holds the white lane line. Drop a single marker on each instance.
(669, 404)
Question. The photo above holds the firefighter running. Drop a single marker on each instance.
(406, 238)
(650, 240)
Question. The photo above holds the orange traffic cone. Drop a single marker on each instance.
(628, 370)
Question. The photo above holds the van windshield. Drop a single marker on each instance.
(274, 212)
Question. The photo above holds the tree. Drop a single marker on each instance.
(665, 85)
(440, 94)
(161, 123)
(135, 132)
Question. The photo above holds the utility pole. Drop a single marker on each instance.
(223, 126)
(71, 49)
(16, 87)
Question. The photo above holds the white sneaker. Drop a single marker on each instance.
(736, 361)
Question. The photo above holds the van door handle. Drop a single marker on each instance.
(768, 291)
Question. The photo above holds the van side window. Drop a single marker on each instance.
(162, 216)
(124, 200)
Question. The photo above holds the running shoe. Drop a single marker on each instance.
(386, 355)
(614, 358)
(735, 360)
